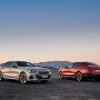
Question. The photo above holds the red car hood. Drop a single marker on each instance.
(63, 69)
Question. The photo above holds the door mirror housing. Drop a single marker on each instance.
(66, 67)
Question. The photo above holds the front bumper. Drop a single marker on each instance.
(38, 77)
(41, 77)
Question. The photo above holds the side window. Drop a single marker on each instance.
(76, 65)
(8, 64)
(4, 65)
(13, 64)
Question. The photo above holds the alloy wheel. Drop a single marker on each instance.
(23, 78)
(79, 76)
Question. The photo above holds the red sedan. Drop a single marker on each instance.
(81, 71)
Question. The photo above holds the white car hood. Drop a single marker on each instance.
(36, 68)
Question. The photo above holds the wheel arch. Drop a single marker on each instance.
(22, 72)
(2, 77)
(77, 72)
(25, 79)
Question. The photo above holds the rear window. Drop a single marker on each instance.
(90, 64)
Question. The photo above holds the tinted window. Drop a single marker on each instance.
(90, 64)
(13, 64)
(24, 64)
(8, 64)
(4, 65)
(76, 65)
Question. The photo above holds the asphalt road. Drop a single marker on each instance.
(55, 89)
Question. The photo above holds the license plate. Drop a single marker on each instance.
(44, 76)
(97, 70)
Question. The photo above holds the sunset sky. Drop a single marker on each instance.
(50, 30)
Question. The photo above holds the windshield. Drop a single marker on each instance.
(25, 64)
(70, 65)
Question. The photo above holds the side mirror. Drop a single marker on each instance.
(14, 66)
(66, 67)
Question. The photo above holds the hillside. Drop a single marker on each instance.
(55, 64)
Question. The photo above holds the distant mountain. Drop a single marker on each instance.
(0, 64)
(55, 64)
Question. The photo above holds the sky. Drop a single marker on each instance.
(50, 30)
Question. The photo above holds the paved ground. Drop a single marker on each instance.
(55, 89)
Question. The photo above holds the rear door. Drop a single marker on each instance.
(14, 70)
(6, 69)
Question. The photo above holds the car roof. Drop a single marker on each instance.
(83, 62)
(79, 62)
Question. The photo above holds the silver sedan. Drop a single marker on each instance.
(24, 71)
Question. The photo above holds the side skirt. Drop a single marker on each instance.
(13, 78)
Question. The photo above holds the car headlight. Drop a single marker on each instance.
(33, 71)
(49, 72)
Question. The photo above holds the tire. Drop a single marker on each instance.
(79, 76)
(61, 75)
(23, 78)
(1, 76)
(44, 81)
